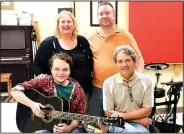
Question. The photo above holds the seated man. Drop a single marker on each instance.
(58, 84)
(128, 94)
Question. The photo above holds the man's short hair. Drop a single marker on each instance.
(101, 3)
(61, 56)
(126, 49)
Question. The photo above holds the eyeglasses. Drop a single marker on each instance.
(130, 93)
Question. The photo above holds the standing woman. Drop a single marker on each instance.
(66, 40)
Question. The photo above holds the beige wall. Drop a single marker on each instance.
(83, 17)
(46, 13)
(43, 12)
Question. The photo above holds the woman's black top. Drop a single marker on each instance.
(82, 60)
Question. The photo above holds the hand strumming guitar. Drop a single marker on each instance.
(36, 108)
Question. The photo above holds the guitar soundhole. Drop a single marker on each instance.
(48, 110)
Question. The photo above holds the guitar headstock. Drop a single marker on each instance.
(114, 121)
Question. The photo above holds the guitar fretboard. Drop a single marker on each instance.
(74, 116)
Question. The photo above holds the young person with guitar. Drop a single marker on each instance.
(58, 84)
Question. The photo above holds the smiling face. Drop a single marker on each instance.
(65, 24)
(125, 64)
(106, 16)
(60, 71)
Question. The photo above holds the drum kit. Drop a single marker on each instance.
(160, 92)
(174, 90)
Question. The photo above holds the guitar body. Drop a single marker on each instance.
(28, 123)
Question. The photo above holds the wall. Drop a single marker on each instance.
(46, 13)
(84, 23)
(165, 45)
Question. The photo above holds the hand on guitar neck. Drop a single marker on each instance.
(62, 128)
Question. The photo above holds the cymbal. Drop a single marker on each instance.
(172, 83)
(156, 66)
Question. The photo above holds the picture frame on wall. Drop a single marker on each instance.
(71, 9)
(7, 5)
(93, 12)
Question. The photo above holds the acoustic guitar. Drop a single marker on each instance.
(56, 110)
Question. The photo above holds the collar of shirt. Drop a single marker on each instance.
(120, 79)
(117, 30)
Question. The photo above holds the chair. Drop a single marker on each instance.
(153, 129)
(6, 77)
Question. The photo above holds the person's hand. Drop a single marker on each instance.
(144, 121)
(115, 114)
(62, 128)
(35, 107)
(103, 128)
(41, 76)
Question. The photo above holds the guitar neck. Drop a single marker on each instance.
(74, 116)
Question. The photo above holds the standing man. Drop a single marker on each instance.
(103, 44)
(128, 94)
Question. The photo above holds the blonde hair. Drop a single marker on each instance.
(75, 31)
